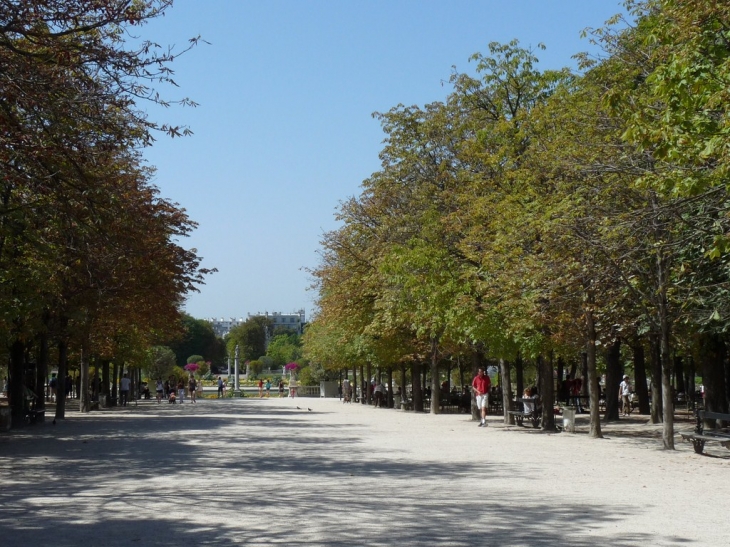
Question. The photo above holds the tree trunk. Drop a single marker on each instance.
(595, 431)
(105, 388)
(389, 403)
(403, 396)
(613, 380)
(16, 381)
(679, 374)
(435, 384)
(506, 384)
(656, 380)
(547, 393)
(368, 383)
(713, 355)
(41, 373)
(561, 367)
(62, 365)
(85, 401)
(520, 377)
(642, 391)
(115, 377)
(668, 399)
(416, 386)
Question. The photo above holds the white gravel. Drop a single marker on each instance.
(262, 472)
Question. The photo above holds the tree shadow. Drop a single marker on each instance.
(237, 475)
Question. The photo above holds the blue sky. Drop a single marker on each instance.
(284, 130)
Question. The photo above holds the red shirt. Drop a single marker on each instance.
(481, 384)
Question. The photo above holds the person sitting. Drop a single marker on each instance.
(172, 399)
(528, 405)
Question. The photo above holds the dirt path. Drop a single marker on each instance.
(262, 472)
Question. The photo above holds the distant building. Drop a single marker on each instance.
(290, 321)
(223, 326)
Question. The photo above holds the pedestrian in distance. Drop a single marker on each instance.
(624, 395)
(124, 385)
(480, 385)
(160, 389)
(261, 388)
(193, 388)
(220, 387)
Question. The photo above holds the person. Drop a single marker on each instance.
(160, 388)
(345, 390)
(281, 388)
(566, 389)
(53, 385)
(261, 388)
(124, 385)
(219, 383)
(378, 393)
(171, 398)
(624, 393)
(480, 385)
(268, 387)
(350, 390)
(575, 392)
(181, 390)
(528, 406)
(193, 388)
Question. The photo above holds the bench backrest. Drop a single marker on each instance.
(707, 415)
(703, 415)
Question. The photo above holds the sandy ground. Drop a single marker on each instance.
(263, 472)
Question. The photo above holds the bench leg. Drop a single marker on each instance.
(699, 445)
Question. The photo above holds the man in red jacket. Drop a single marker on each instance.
(480, 385)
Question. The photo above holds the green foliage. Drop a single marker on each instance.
(160, 363)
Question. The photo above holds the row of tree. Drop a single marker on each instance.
(90, 260)
(549, 214)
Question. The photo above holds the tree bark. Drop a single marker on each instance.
(435, 384)
(595, 431)
(656, 381)
(368, 383)
(17, 383)
(519, 375)
(679, 374)
(506, 384)
(41, 373)
(713, 355)
(613, 379)
(642, 390)
(416, 386)
(85, 401)
(547, 393)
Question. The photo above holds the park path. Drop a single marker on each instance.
(264, 472)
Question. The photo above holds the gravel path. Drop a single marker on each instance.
(262, 472)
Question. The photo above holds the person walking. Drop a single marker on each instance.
(181, 391)
(281, 388)
(193, 388)
(624, 395)
(220, 387)
(480, 386)
(124, 385)
(160, 389)
(261, 388)
(268, 388)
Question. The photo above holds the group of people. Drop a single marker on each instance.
(174, 389)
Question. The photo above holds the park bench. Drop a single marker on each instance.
(700, 435)
(535, 416)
